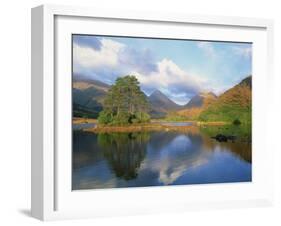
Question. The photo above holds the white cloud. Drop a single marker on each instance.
(107, 56)
(173, 79)
(115, 59)
(243, 51)
(208, 49)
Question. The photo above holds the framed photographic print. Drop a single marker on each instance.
(141, 112)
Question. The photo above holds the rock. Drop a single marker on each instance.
(224, 138)
(232, 138)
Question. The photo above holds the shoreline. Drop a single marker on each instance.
(151, 127)
(217, 129)
(77, 120)
(137, 128)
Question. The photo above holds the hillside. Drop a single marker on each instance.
(197, 104)
(233, 104)
(201, 99)
(88, 96)
(161, 104)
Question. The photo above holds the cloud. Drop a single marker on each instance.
(114, 59)
(245, 52)
(141, 61)
(208, 48)
(173, 81)
(106, 56)
(87, 41)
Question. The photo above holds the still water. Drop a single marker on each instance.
(83, 126)
(176, 123)
(116, 160)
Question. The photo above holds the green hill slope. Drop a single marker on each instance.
(235, 103)
(197, 104)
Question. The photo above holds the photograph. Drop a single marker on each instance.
(150, 111)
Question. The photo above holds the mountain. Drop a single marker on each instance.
(161, 104)
(197, 104)
(88, 96)
(201, 99)
(85, 83)
(233, 104)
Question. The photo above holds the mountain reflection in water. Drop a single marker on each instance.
(113, 160)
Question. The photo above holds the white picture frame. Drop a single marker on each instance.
(51, 199)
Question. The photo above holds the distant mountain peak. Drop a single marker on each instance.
(161, 104)
(207, 94)
(157, 92)
(84, 83)
(199, 99)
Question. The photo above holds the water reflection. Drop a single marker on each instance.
(124, 152)
(156, 158)
(177, 123)
(80, 126)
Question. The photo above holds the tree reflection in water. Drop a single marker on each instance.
(124, 152)
(109, 160)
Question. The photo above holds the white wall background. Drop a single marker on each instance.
(15, 111)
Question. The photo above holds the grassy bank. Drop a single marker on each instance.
(212, 123)
(140, 128)
(243, 132)
(78, 120)
(154, 125)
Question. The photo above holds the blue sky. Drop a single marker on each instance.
(178, 68)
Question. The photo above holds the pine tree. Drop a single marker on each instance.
(125, 101)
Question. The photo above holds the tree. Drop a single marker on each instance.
(236, 122)
(105, 117)
(125, 103)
